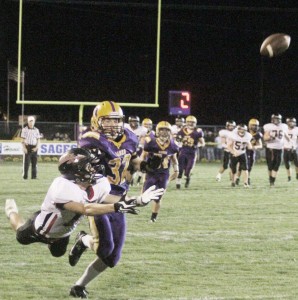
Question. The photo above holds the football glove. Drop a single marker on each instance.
(126, 206)
(150, 194)
(152, 164)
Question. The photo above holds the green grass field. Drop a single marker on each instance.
(211, 241)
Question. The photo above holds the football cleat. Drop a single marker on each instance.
(246, 185)
(233, 184)
(10, 207)
(153, 220)
(187, 182)
(77, 249)
(237, 181)
(178, 186)
(218, 177)
(77, 291)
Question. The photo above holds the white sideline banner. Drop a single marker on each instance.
(15, 148)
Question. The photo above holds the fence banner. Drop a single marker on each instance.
(15, 148)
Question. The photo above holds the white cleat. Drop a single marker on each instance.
(10, 207)
(218, 177)
(246, 185)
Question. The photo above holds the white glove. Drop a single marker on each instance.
(149, 195)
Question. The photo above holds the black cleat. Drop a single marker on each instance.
(233, 184)
(187, 182)
(77, 249)
(178, 186)
(77, 291)
(237, 181)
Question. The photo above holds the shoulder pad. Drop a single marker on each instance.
(147, 139)
(91, 134)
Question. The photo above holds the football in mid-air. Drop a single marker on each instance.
(275, 44)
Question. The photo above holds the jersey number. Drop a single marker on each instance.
(119, 166)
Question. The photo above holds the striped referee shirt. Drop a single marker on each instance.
(30, 135)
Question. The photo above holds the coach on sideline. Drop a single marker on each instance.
(30, 140)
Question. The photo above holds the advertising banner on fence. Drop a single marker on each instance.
(15, 148)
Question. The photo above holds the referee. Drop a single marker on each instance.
(30, 140)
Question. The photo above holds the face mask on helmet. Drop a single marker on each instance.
(109, 119)
(134, 122)
(230, 125)
(276, 119)
(253, 125)
(291, 122)
(191, 122)
(147, 123)
(163, 131)
(76, 165)
(241, 130)
(179, 122)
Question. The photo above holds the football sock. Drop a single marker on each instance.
(154, 216)
(87, 239)
(92, 271)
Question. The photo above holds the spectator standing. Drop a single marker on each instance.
(30, 140)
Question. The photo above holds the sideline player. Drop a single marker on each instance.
(190, 137)
(224, 135)
(238, 142)
(274, 135)
(158, 155)
(290, 148)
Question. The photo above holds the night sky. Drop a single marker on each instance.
(99, 50)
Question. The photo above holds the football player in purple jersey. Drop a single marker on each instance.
(116, 147)
(159, 154)
(191, 138)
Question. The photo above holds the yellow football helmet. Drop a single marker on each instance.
(147, 123)
(163, 131)
(191, 122)
(108, 119)
(253, 125)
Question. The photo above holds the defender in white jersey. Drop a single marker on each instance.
(70, 196)
(238, 142)
(290, 148)
(224, 135)
(275, 134)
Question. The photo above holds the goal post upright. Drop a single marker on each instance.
(81, 104)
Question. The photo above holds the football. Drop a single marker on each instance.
(275, 44)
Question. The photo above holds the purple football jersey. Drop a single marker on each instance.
(189, 141)
(116, 154)
(166, 151)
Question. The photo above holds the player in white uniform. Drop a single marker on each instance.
(74, 194)
(290, 148)
(179, 123)
(238, 142)
(224, 136)
(140, 131)
(274, 135)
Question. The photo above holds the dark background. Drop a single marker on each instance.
(99, 50)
